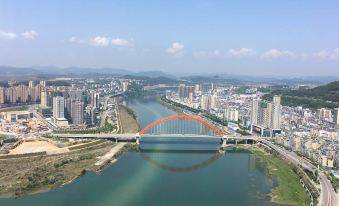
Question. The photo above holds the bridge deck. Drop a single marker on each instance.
(129, 136)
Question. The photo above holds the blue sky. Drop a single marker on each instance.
(262, 37)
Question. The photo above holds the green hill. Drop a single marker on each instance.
(318, 97)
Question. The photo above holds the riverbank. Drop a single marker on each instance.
(35, 174)
(128, 120)
(180, 108)
(289, 190)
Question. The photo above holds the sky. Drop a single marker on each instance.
(253, 37)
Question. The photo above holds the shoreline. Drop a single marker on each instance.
(128, 122)
(111, 161)
(287, 180)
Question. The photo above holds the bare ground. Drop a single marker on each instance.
(19, 176)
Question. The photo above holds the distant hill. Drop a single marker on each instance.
(47, 72)
(154, 74)
(317, 97)
(153, 80)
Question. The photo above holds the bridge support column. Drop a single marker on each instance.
(223, 142)
(137, 139)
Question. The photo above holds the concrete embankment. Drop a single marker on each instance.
(109, 155)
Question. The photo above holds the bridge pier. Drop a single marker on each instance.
(223, 142)
(137, 138)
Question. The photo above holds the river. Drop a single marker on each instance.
(165, 174)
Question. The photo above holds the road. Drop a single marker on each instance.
(131, 136)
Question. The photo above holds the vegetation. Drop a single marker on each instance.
(153, 80)
(58, 83)
(16, 108)
(129, 111)
(134, 90)
(243, 132)
(242, 89)
(20, 176)
(128, 120)
(318, 97)
(107, 128)
(334, 182)
(289, 190)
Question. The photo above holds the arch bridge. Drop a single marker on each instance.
(176, 126)
(187, 126)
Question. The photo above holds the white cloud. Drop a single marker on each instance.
(100, 41)
(121, 42)
(8, 35)
(176, 48)
(74, 39)
(275, 53)
(241, 52)
(29, 34)
(327, 55)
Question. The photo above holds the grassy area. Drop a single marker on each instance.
(289, 190)
(128, 120)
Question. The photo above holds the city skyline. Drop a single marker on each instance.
(281, 38)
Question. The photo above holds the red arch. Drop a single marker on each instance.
(182, 117)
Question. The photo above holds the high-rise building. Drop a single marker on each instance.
(205, 102)
(68, 108)
(31, 83)
(90, 115)
(267, 115)
(43, 83)
(275, 113)
(214, 101)
(95, 100)
(197, 87)
(44, 99)
(336, 116)
(75, 94)
(231, 114)
(265, 119)
(324, 114)
(58, 107)
(190, 96)
(77, 112)
(184, 90)
(2, 95)
(255, 111)
(124, 85)
(277, 99)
